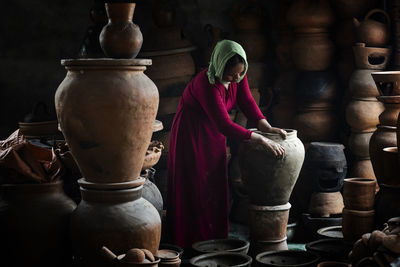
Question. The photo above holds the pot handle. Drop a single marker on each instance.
(377, 10)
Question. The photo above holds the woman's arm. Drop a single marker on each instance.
(264, 126)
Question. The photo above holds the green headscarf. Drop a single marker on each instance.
(223, 51)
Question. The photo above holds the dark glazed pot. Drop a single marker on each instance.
(121, 38)
(221, 245)
(287, 258)
(386, 204)
(269, 180)
(92, 88)
(34, 223)
(233, 259)
(127, 221)
(359, 193)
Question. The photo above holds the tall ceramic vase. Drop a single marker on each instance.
(121, 38)
(106, 109)
(269, 180)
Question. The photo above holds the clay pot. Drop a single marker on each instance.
(355, 223)
(313, 223)
(362, 167)
(317, 124)
(260, 246)
(269, 180)
(121, 38)
(153, 155)
(172, 247)
(352, 8)
(362, 115)
(326, 204)
(168, 258)
(384, 136)
(387, 82)
(345, 34)
(255, 44)
(128, 221)
(372, 32)
(392, 108)
(358, 143)
(330, 249)
(372, 58)
(334, 232)
(386, 204)
(152, 194)
(34, 223)
(103, 148)
(268, 222)
(362, 86)
(316, 88)
(359, 193)
(222, 258)
(287, 258)
(310, 16)
(312, 52)
(248, 17)
(391, 168)
(221, 245)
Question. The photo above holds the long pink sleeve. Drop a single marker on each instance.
(246, 102)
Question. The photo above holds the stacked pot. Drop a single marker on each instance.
(363, 109)
(172, 69)
(358, 212)
(313, 54)
(269, 182)
(384, 147)
(110, 151)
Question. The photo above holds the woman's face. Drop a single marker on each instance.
(233, 74)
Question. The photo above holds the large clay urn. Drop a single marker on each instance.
(118, 219)
(362, 115)
(384, 136)
(269, 181)
(34, 223)
(121, 38)
(373, 32)
(106, 110)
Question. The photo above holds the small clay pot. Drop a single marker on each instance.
(358, 143)
(326, 204)
(221, 245)
(372, 32)
(359, 193)
(362, 167)
(356, 223)
(372, 58)
(387, 82)
(168, 258)
(363, 115)
(313, 223)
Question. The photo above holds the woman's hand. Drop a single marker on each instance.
(272, 146)
(264, 126)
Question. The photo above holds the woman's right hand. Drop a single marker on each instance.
(272, 146)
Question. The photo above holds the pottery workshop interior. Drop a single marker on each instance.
(200, 133)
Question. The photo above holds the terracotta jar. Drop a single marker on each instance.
(392, 108)
(391, 168)
(316, 88)
(150, 191)
(359, 193)
(384, 136)
(361, 85)
(34, 223)
(104, 148)
(268, 222)
(358, 143)
(127, 221)
(317, 124)
(325, 204)
(352, 8)
(355, 223)
(362, 167)
(121, 38)
(372, 32)
(373, 58)
(310, 16)
(269, 180)
(312, 52)
(386, 204)
(362, 115)
(387, 82)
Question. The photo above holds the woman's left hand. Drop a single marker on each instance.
(264, 126)
(280, 131)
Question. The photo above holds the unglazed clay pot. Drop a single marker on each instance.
(287, 258)
(386, 204)
(127, 221)
(121, 38)
(362, 167)
(108, 143)
(34, 223)
(312, 52)
(384, 136)
(352, 8)
(387, 82)
(317, 124)
(372, 32)
(361, 85)
(260, 246)
(269, 181)
(359, 193)
(330, 249)
(310, 16)
(358, 143)
(392, 108)
(391, 168)
(226, 245)
(326, 204)
(373, 58)
(355, 223)
(363, 115)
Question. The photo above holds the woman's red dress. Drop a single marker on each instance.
(197, 204)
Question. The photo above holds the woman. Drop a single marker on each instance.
(197, 204)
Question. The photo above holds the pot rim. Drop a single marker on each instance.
(298, 252)
(391, 149)
(107, 62)
(359, 213)
(208, 255)
(244, 245)
(360, 180)
(270, 208)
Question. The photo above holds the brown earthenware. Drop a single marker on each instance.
(121, 38)
(104, 148)
(325, 204)
(363, 115)
(387, 82)
(247, 16)
(362, 167)
(287, 258)
(361, 85)
(392, 108)
(359, 193)
(226, 245)
(371, 32)
(260, 246)
(355, 223)
(358, 143)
